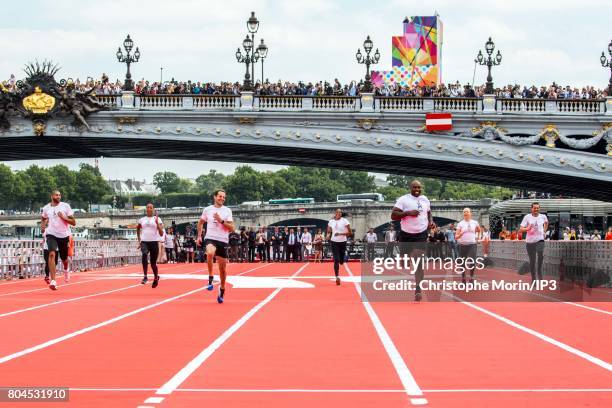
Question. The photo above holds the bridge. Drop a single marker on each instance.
(362, 215)
(559, 146)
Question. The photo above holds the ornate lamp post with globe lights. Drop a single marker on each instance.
(262, 49)
(489, 62)
(250, 58)
(367, 60)
(605, 62)
(128, 44)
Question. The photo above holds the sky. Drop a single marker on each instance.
(309, 40)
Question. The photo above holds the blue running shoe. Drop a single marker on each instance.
(210, 287)
(219, 299)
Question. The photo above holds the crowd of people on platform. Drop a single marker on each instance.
(104, 86)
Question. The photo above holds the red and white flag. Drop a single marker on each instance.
(438, 121)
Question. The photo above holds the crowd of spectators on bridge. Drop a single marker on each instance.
(104, 86)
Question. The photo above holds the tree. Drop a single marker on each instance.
(208, 183)
(244, 185)
(91, 186)
(7, 181)
(185, 185)
(41, 183)
(167, 182)
(65, 181)
(22, 191)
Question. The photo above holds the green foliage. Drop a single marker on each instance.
(167, 182)
(440, 189)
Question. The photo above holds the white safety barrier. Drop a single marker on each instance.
(24, 258)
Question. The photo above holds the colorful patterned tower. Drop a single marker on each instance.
(416, 55)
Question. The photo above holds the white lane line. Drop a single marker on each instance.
(154, 400)
(356, 391)
(102, 324)
(194, 364)
(93, 327)
(66, 301)
(47, 288)
(597, 361)
(593, 309)
(408, 381)
(555, 300)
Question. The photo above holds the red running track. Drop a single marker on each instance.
(117, 343)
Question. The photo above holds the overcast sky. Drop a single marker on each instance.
(541, 41)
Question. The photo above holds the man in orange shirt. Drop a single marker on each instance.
(609, 234)
(513, 236)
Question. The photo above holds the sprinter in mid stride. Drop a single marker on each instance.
(219, 224)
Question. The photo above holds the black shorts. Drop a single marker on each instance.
(60, 245)
(220, 247)
(410, 242)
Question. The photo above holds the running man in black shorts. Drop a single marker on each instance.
(414, 213)
(219, 225)
(57, 217)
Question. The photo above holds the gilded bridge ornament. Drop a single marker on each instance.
(38, 102)
(550, 133)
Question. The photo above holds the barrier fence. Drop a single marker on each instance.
(24, 258)
(564, 260)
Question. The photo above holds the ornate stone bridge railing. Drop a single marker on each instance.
(248, 101)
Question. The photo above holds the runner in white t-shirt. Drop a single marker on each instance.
(414, 213)
(465, 234)
(535, 224)
(57, 217)
(150, 229)
(338, 230)
(219, 224)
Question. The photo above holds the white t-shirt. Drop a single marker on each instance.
(341, 226)
(420, 223)
(536, 233)
(371, 238)
(169, 241)
(306, 238)
(56, 226)
(148, 229)
(215, 230)
(468, 228)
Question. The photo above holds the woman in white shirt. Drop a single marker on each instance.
(169, 245)
(338, 230)
(466, 233)
(150, 229)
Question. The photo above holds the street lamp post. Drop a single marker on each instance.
(250, 58)
(607, 63)
(253, 26)
(263, 53)
(128, 59)
(367, 60)
(489, 61)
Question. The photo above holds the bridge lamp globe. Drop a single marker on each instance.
(247, 44)
(238, 55)
(128, 44)
(252, 23)
(120, 54)
(367, 45)
(256, 55)
(498, 57)
(137, 55)
(376, 56)
(603, 59)
(263, 49)
(359, 56)
(479, 57)
(489, 46)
